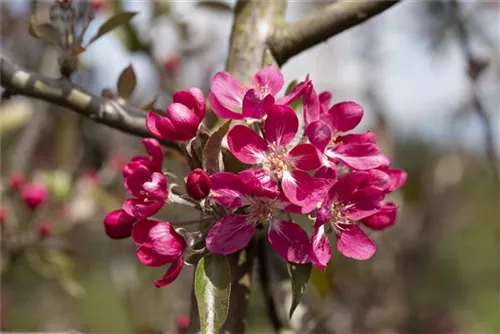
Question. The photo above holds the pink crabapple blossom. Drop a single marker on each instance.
(274, 154)
(349, 200)
(326, 129)
(145, 181)
(257, 194)
(229, 98)
(159, 244)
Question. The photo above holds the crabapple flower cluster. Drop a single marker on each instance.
(302, 162)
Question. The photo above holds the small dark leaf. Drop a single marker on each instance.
(212, 287)
(149, 104)
(212, 150)
(127, 82)
(193, 153)
(215, 5)
(77, 49)
(321, 280)
(112, 23)
(299, 274)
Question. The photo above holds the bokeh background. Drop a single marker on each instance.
(418, 79)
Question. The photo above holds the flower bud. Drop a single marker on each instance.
(198, 184)
(183, 321)
(16, 181)
(2, 217)
(96, 5)
(34, 194)
(172, 65)
(118, 224)
(183, 117)
(44, 229)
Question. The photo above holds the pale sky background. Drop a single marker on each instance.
(420, 89)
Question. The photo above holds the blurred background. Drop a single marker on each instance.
(427, 75)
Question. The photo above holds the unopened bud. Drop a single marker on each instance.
(198, 184)
(16, 181)
(118, 224)
(34, 194)
(44, 229)
(2, 217)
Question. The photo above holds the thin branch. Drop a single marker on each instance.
(63, 92)
(476, 67)
(295, 37)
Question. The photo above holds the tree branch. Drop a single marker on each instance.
(476, 68)
(292, 38)
(65, 93)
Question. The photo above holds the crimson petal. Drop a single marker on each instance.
(290, 241)
(172, 273)
(321, 251)
(384, 218)
(281, 125)
(353, 242)
(346, 115)
(305, 157)
(246, 145)
(230, 234)
(298, 187)
(319, 134)
(228, 190)
(254, 106)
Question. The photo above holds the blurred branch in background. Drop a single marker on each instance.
(292, 38)
(63, 92)
(476, 66)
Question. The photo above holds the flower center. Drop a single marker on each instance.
(263, 90)
(276, 161)
(259, 211)
(337, 216)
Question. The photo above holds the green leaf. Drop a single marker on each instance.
(149, 103)
(127, 82)
(112, 23)
(299, 274)
(212, 150)
(321, 280)
(290, 87)
(212, 287)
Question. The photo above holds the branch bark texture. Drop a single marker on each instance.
(63, 92)
(292, 38)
